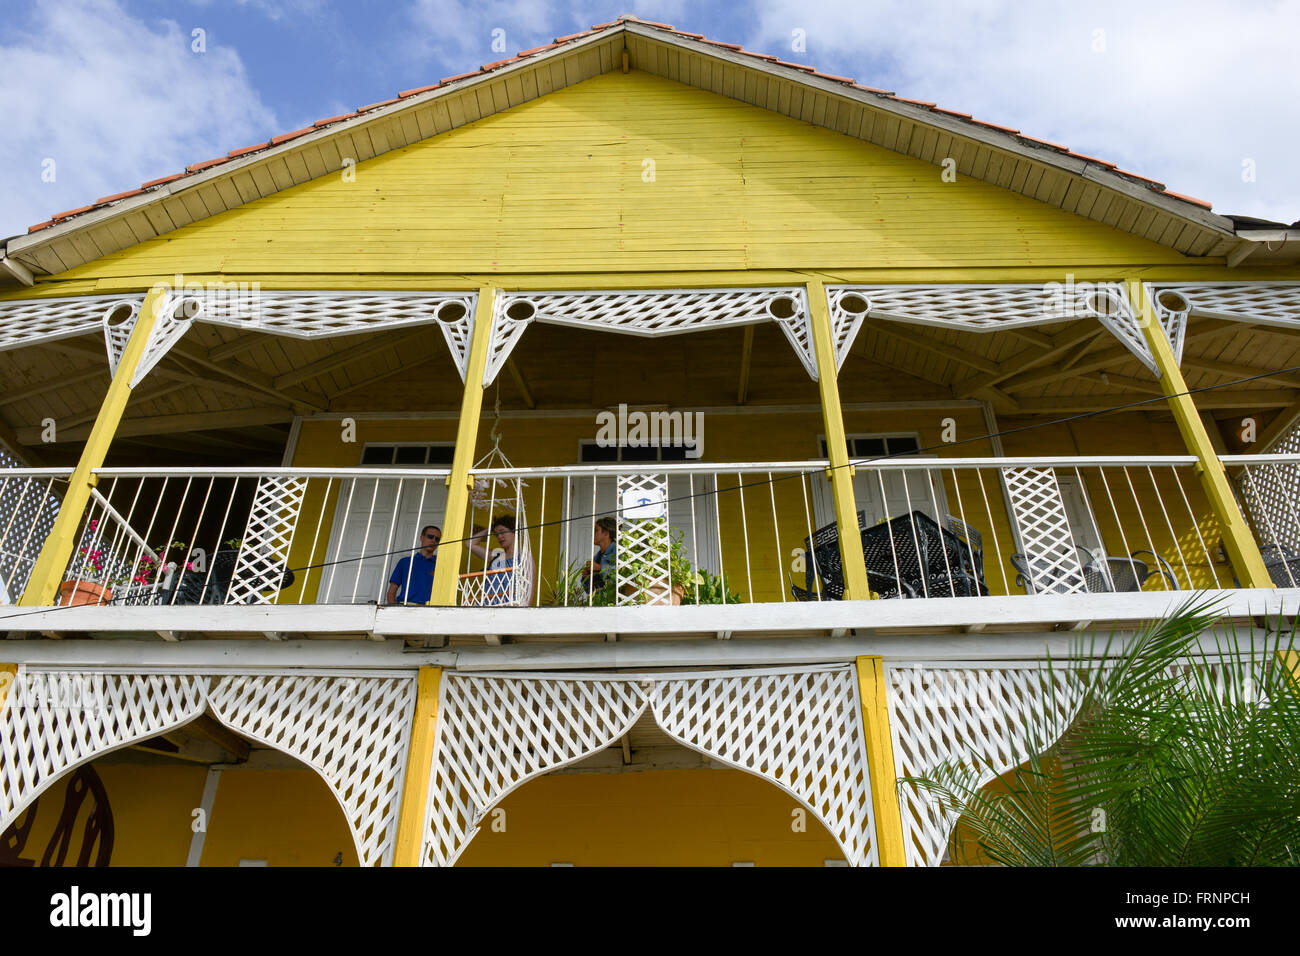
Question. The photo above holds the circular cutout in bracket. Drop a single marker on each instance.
(521, 310)
(853, 303)
(782, 308)
(451, 312)
(119, 314)
(1172, 301)
(1104, 303)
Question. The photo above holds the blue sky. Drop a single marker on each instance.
(1200, 95)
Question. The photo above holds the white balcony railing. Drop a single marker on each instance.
(1268, 489)
(686, 532)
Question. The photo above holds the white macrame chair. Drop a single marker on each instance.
(507, 587)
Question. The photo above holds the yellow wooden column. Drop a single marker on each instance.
(885, 805)
(419, 761)
(454, 523)
(837, 448)
(1240, 544)
(43, 585)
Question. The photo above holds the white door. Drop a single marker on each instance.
(692, 510)
(376, 517)
(1078, 511)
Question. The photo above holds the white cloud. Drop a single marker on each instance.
(113, 101)
(1181, 92)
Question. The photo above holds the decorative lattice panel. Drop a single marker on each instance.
(28, 506)
(802, 731)
(495, 733)
(1259, 303)
(267, 539)
(52, 722)
(310, 315)
(1044, 529)
(353, 731)
(118, 327)
(644, 573)
(173, 322)
(940, 714)
(650, 312)
(1271, 494)
(32, 321)
(989, 308)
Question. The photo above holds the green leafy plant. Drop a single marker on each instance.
(709, 588)
(640, 573)
(1181, 752)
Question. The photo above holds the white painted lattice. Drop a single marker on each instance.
(642, 562)
(353, 731)
(1271, 494)
(267, 540)
(989, 308)
(650, 312)
(312, 315)
(52, 722)
(28, 506)
(800, 730)
(1051, 559)
(1275, 303)
(495, 733)
(26, 322)
(174, 320)
(973, 715)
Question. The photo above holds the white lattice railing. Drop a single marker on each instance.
(29, 503)
(684, 532)
(1268, 488)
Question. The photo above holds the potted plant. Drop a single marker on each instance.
(81, 586)
(686, 584)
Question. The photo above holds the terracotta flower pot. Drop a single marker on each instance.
(72, 593)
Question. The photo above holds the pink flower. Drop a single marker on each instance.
(94, 524)
(189, 565)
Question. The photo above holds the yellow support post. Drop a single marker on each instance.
(837, 448)
(8, 674)
(458, 482)
(885, 805)
(1240, 544)
(43, 585)
(419, 761)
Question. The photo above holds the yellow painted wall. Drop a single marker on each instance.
(555, 185)
(651, 818)
(287, 817)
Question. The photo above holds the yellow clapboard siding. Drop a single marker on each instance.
(561, 181)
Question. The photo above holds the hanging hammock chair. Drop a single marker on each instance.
(501, 581)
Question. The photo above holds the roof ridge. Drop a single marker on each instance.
(617, 23)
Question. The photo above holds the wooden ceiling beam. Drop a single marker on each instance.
(170, 424)
(250, 377)
(405, 362)
(1035, 355)
(345, 356)
(74, 377)
(1256, 399)
(919, 339)
(1233, 370)
(746, 355)
(518, 377)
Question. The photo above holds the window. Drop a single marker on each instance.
(885, 492)
(591, 453)
(437, 454)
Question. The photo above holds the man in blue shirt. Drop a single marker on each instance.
(412, 579)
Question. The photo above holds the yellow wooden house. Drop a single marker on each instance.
(883, 403)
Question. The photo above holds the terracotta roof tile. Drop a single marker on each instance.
(375, 106)
(537, 49)
(331, 119)
(572, 36)
(940, 109)
(700, 36)
(39, 226)
(1043, 142)
(492, 66)
(453, 79)
(73, 212)
(1005, 129)
(1191, 199)
(419, 89)
(832, 76)
(285, 137)
(158, 182)
(652, 23)
(197, 167)
(925, 103)
(1094, 159)
(1145, 179)
(872, 89)
(796, 66)
(246, 150)
(729, 46)
(761, 56)
(115, 197)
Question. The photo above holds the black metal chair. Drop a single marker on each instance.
(1283, 565)
(906, 556)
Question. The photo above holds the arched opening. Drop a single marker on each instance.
(181, 797)
(649, 801)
